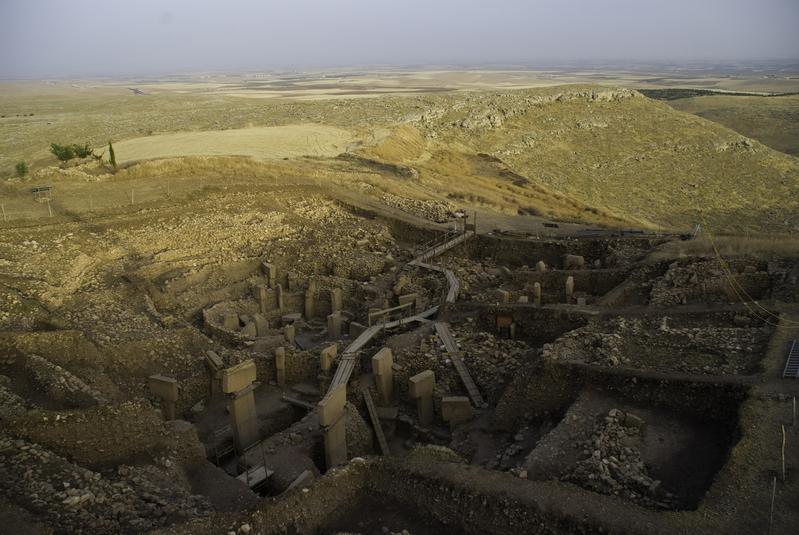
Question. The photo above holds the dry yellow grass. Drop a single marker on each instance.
(268, 142)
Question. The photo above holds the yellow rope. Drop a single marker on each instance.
(738, 289)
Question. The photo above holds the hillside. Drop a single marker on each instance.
(774, 121)
(579, 153)
(613, 150)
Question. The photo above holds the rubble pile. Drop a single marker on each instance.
(492, 361)
(708, 281)
(61, 385)
(612, 463)
(127, 499)
(474, 276)
(432, 210)
(704, 350)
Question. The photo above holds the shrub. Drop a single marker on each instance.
(22, 169)
(64, 153)
(82, 151)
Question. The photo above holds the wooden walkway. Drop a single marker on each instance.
(346, 364)
(445, 335)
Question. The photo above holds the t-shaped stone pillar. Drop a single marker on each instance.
(166, 390)
(279, 296)
(569, 288)
(214, 364)
(238, 382)
(333, 420)
(420, 388)
(289, 332)
(270, 272)
(310, 300)
(327, 357)
(537, 294)
(334, 325)
(383, 371)
(336, 298)
(540, 266)
(280, 366)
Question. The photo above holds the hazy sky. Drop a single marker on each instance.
(62, 38)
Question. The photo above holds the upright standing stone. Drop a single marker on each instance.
(503, 296)
(230, 321)
(334, 326)
(238, 382)
(333, 421)
(270, 272)
(540, 266)
(327, 357)
(279, 297)
(214, 364)
(336, 299)
(289, 333)
(263, 299)
(573, 261)
(280, 366)
(166, 390)
(537, 293)
(569, 288)
(382, 368)
(420, 388)
(261, 324)
(310, 300)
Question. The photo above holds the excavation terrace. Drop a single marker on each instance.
(296, 361)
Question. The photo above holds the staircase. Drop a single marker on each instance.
(445, 335)
(370, 407)
(792, 363)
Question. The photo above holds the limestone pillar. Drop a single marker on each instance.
(214, 364)
(420, 388)
(291, 281)
(382, 368)
(537, 293)
(230, 321)
(280, 366)
(263, 299)
(327, 357)
(334, 326)
(279, 297)
(569, 288)
(336, 300)
(310, 300)
(289, 332)
(333, 421)
(238, 383)
(540, 266)
(166, 390)
(270, 272)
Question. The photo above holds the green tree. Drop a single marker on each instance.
(22, 169)
(112, 159)
(63, 152)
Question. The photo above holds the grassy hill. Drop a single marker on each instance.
(578, 152)
(612, 151)
(774, 121)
